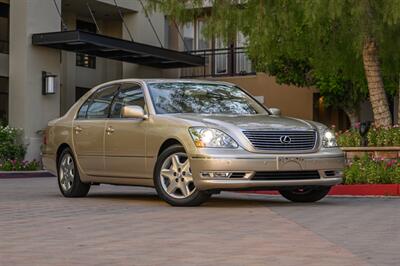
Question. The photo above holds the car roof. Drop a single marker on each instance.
(155, 80)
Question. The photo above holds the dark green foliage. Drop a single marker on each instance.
(10, 148)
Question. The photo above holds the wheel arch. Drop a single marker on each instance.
(60, 149)
(168, 143)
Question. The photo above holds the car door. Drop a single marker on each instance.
(89, 130)
(125, 148)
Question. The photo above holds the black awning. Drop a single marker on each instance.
(117, 49)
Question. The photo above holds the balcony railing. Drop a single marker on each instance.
(231, 61)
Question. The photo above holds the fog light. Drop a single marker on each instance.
(339, 173)
(334, 173)
(216, 174)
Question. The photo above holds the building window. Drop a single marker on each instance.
(3, 100)
(201, 41)
(85, 60)
(188, 35)
(243, 63)
(4, 28)
(79, 92)
(221, 57)
(329, 115)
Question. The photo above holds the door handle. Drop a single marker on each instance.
(78, 129)
(110, 130)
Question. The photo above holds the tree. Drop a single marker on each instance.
(337, 92)
(347, 37)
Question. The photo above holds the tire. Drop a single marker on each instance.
(307, 194)
(69, 181)
(175, 185)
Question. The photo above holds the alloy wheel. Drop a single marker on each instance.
(67, 172)
(176, 176)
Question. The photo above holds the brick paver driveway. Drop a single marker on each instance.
(131, 226)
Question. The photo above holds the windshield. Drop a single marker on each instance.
(179, 97)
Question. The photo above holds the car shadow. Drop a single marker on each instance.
(223, 200)
(229, 199)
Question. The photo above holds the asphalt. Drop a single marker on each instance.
(131, 226)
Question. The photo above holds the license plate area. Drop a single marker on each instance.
(289, 163)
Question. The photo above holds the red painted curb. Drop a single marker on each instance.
(366, 190)
(354, 190)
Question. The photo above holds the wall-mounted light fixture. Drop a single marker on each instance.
(48, 83)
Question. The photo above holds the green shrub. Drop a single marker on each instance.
(349, 138)
(10, 146)
(378, 137)
(17, 165)
(366, 170)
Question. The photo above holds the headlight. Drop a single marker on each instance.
(328, 139)
(211, 138)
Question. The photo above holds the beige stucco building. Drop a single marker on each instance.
(22, 63)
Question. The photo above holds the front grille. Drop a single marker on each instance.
(272, 140)
(286, 175)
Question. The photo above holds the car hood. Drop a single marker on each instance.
(250, 122)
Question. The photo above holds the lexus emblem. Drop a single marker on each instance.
(285, 139)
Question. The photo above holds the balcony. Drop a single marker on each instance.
(224, 62)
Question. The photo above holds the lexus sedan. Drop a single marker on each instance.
(188, 139)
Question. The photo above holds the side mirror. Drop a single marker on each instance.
(133, 111)
(275, 111)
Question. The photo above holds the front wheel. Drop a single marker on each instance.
(306, 194)
(173, 179)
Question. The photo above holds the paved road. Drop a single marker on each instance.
(131, 226)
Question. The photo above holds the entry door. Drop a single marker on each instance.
(89, 130)
(125, 138)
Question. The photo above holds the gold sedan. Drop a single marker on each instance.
(189, 140)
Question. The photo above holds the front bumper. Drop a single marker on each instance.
(329, 160)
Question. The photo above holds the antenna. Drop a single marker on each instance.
(151, 23)
(93, 18)
(64, 26)
(123, 21)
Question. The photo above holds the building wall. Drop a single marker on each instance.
(28, 108)
(75, 76)
(293, 101)
(142, 32)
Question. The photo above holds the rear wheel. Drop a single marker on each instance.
(305, 194)
(173, 179)
(69, 181)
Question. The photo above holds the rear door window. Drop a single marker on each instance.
(98, 105)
